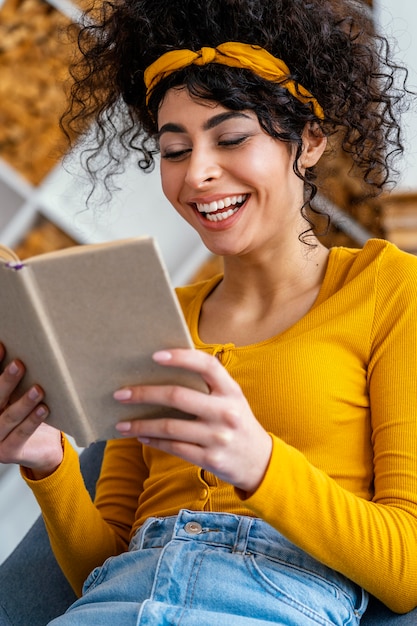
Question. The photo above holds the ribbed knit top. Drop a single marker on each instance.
(338, 393)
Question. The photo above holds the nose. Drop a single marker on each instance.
(203, 168)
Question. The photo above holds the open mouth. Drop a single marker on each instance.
(221, 209)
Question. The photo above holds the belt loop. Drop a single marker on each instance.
(140, 534)
(242, 534)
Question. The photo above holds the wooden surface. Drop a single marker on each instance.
(34, 58)
(43, 237)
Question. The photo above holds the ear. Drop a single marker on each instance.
(314, 144)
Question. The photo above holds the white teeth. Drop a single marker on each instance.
(212, 207)
(218, 217)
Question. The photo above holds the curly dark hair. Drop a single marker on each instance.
(330, 48)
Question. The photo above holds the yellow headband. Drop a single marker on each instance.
(233, 54)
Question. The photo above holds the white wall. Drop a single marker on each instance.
(398, 20)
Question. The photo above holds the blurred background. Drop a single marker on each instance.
(42, 203)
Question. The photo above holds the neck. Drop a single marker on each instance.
(280, 272)
(259, 300)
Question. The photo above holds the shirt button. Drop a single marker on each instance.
(193, 528)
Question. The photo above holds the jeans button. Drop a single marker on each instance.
(193, 528)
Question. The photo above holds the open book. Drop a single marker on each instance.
(85, 321)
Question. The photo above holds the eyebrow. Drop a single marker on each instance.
(208, 125)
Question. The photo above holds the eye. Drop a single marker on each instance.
(175, 155)
(233, 141)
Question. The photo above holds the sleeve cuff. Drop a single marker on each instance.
(70, 457)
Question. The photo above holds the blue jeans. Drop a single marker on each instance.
(204, 569)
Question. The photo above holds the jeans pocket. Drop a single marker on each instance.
(96, 576)
(316, 597)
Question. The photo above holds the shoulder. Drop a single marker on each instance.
(376, 273)
(380, 258)
(392, 278)
(396, 269)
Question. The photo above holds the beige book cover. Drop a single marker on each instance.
(85, 321)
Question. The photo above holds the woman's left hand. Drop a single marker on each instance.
(225, 438)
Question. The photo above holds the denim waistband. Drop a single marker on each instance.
(217, 529)
(238, 534)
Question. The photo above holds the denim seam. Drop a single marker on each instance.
(193, 586)
(292, 602)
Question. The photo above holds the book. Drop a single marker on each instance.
(85, 321)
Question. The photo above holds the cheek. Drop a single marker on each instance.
(171, 187)
(169, 183)
(264, 164)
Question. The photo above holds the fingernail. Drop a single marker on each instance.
(13, 369)
(122, 394)
(41, 411)
(162, 355)
(34, 394)
(123, 427)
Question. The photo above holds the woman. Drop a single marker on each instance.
(292, 494)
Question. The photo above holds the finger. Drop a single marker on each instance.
(19, 411)
(194, 442)
(214, 427)
(168, 429)
(210, 368)
(10, 378)
(188, 452)
(31, 423)
(14, 445)
(183, 399)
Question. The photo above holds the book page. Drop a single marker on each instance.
(26, 332)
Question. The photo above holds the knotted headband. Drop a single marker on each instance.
(233, 54)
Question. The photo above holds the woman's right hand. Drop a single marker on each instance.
(24, 437)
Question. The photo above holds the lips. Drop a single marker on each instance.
(222, 209)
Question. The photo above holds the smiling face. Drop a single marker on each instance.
(230, 180)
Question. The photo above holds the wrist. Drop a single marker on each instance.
(48, 467)
(40, 473)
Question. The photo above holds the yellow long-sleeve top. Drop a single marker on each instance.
(338, 393)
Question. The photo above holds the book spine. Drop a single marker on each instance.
(6, 254)
(47, 365)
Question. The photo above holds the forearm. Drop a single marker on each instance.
(79, 536)
(373, 544)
